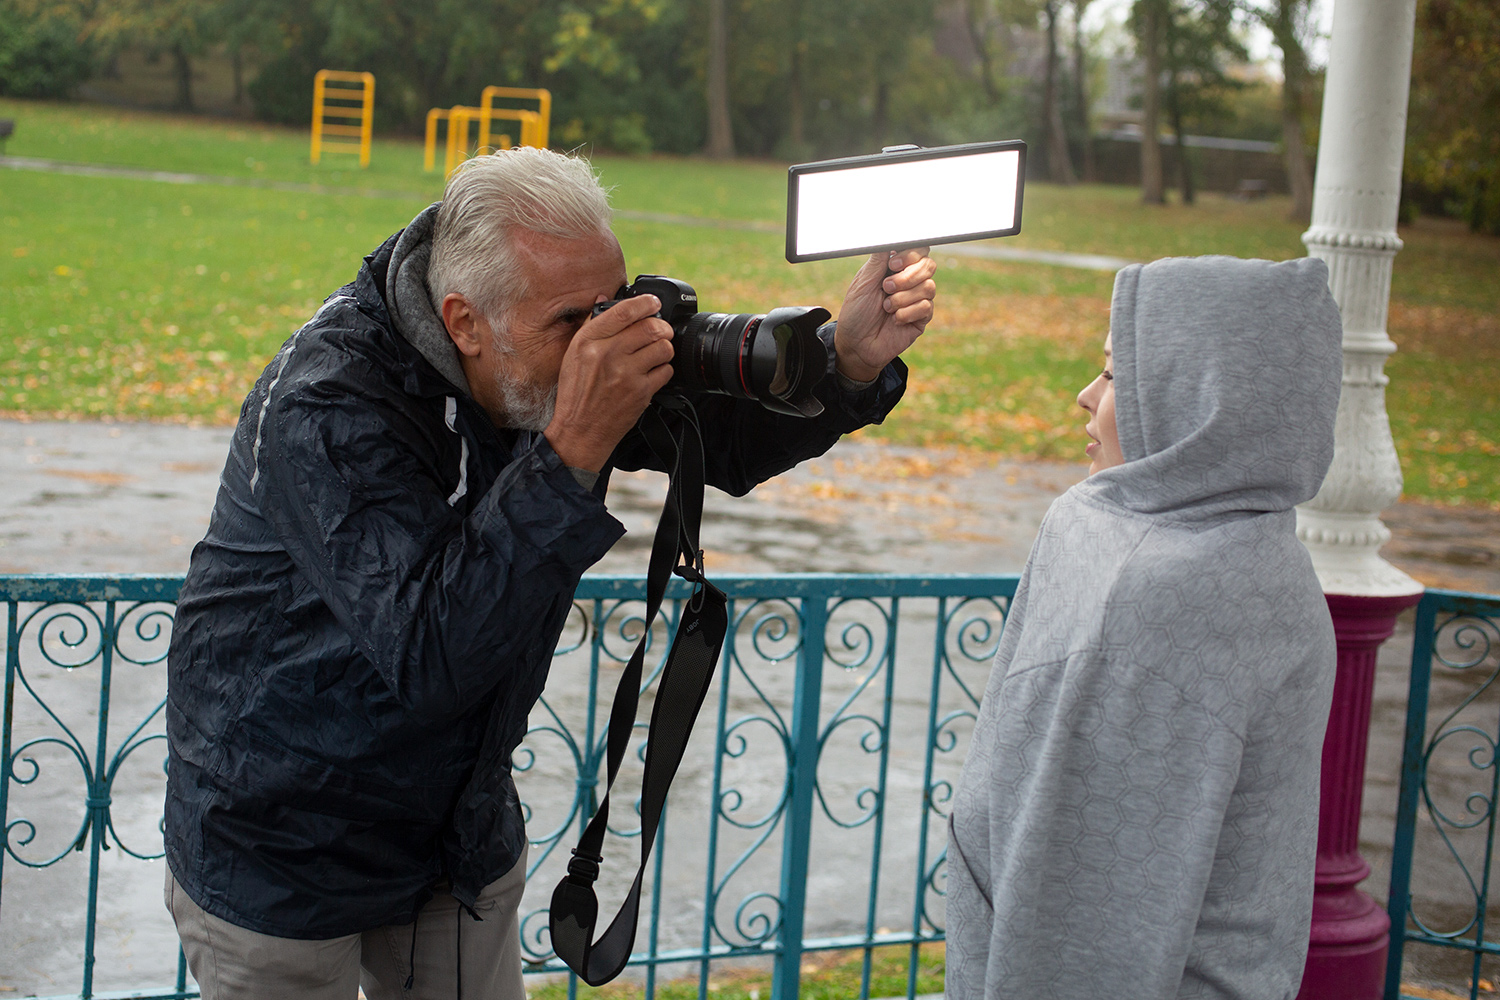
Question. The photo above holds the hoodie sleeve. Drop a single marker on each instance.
(445, 606)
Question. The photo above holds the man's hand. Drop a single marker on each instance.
(886, 309)
(616, 362)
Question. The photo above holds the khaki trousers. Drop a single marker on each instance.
(232, 963)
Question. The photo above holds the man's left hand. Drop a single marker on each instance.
(888, 305)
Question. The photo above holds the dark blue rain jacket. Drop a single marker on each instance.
(372, 615)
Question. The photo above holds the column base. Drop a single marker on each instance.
(1350, 934)
(1347, 955)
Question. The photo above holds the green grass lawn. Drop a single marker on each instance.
(130, 299)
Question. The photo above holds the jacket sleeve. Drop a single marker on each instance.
(745, 444)
(445, 606)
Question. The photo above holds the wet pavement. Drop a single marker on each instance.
(81, 497)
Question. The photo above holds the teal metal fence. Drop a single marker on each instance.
(809, 814)
(1443, 852)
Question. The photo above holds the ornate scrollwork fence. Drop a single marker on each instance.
(1446, 811)
(809, 813)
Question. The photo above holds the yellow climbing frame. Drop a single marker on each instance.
(460, 118)
(429, 146)
(339, 103)
(533, 125)
(540, 125)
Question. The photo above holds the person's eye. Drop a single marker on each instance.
(1107, 375)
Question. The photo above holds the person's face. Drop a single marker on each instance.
(515, 376)
(1098, 398)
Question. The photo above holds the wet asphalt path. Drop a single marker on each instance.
(81, 497)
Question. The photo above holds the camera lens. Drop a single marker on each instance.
(709, 350)
(776, 358)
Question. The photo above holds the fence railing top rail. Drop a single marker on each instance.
(150, 587)
(90, 587)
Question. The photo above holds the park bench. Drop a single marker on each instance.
(1250, 189)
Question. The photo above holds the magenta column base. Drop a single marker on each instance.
(1350, 932)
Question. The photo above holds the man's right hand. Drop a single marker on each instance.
(616, 362)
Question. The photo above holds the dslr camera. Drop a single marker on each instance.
(774, 358)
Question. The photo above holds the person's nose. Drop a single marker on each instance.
(1084, 398)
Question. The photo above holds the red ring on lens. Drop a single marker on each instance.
(750, 328)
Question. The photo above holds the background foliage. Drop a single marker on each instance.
(42, 51)
(806, 78)
(1453, 126)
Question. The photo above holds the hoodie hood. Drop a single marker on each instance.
(410, 303)
(1227, 376)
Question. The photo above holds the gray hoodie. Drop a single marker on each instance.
(410, 302)
(1137, 817)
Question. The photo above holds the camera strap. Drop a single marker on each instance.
(674, 436)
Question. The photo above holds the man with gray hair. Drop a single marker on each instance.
(414, 489)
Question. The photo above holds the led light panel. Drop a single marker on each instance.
(906, 198)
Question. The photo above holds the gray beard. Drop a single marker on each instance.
(528, 407)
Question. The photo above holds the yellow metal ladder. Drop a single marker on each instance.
(337, 102)
(535, 125)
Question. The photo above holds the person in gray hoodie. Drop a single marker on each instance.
(1137, 816)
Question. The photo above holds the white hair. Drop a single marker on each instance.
(486, 200)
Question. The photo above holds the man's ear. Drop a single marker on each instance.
(462, 322)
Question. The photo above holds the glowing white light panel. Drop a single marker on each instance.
(906, 204)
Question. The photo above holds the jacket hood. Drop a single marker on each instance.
(410, 304)
(1227, 376)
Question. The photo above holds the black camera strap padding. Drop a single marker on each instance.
(683, 685)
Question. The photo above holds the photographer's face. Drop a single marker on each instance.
(514, 376)
(1098, 398)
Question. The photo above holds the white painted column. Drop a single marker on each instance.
(1355, 198)
(1357, 193)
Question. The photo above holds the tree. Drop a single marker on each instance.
(720, 133)
(1081, 92)
(438, 53)
(42, 53)
(1453, 126)
(1199, 42)
(1148, 17)
(180, 29)
(1290, 23)
(1059, 163)
(976, 19)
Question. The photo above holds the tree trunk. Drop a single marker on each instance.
(882, 112)
(184, 70)
(1152, 190)
(1059, 163)
(237, 62)
(720, 134)
(1299, 177)
(1174, 109)
(797, 129)
(1298, 173)
(1081, 93)
(979, 36)
(1293, 87)
(1184, 168)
